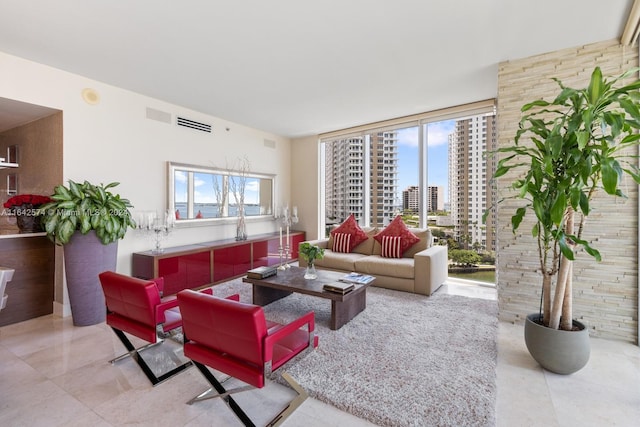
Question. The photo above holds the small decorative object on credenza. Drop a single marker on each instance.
(150, 223)
(238, 185)
(262, 272)
(287, 219)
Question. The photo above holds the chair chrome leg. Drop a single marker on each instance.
(223, 393)
(216, 386)
(209, 394)
(220, 391)
(135, 354)
(293, 405)
(130, 353)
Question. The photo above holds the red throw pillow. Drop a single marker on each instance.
(341, 242)
(399, 229)
(350, 226)
(391, 246)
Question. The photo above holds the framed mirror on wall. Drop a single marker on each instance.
(207, 194)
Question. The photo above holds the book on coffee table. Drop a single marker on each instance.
(357, 278)
(338, 287)
(262, 272)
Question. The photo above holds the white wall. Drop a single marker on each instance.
(114, 141)
(305, 172)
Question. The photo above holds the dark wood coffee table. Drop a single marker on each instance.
(343, 307)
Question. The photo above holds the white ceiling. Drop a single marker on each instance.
(296, 67)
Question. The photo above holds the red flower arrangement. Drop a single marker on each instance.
(26, 208)
(33, 200)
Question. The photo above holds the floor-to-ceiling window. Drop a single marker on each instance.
(432, 169)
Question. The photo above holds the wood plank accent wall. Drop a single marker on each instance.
(605, 293)
(31, 289)
(40, 158)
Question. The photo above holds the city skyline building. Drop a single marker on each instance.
(470, 172)
(344, 183)
(348, 189)
(411, 199)
(435, 202)
(435, 199)
(362, 175)
(383, 172)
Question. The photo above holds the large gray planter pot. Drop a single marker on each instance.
(85, 257)
(562, 352)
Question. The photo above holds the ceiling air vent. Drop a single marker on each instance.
(203, 127)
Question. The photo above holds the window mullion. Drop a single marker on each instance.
(367, 181)
(423, 173)
(190, 195)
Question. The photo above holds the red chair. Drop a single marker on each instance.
(236, 339)
(135, 306)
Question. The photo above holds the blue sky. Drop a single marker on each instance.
(438, 152)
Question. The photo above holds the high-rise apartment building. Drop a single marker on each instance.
(470, 172)
(348, 190)
(411, 199)
(344, 179)
(435, 201)
(384, 178)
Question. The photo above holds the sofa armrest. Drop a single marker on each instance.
(321, 243)
(431, 269)
(284, 330)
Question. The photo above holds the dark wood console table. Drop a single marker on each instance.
(203, 264)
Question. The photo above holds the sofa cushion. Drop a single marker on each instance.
(366, 247)
(391, 247)
(396, 228)
(338, 261)
(424, 234)
(349, 226)
(376, 265)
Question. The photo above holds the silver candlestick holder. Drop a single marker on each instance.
(159, 229)
(287, 256)
(284, 257)
(287, 219)
(281, 266)
(161, 232)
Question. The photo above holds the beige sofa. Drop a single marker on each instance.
(421, 270)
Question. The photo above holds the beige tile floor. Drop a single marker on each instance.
(54, 374)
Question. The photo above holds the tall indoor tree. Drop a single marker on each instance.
(569, 149)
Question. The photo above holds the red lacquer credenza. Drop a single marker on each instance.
(203, 264)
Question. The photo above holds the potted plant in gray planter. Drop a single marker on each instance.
(88, 220)
(567, 150)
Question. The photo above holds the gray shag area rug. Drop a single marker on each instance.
(407, 360)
